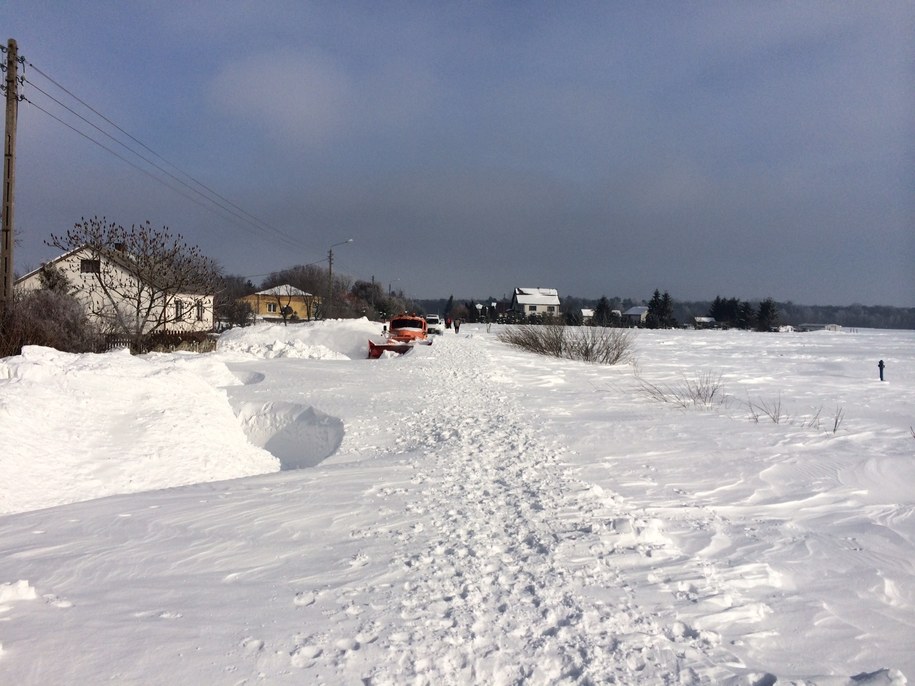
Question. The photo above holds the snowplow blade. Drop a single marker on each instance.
(377, 349)
(399, 347)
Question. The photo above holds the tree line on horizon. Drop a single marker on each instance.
(51, 316)
(733, 312)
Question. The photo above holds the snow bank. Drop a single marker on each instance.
(65, 420)
(343, 339)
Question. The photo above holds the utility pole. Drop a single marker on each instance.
(9, 175)
(330, 276)
(330, 283)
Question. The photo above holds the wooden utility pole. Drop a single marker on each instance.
(9, 175)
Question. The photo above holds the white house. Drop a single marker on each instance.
(536, 302)
(635, 315)
(118, 301)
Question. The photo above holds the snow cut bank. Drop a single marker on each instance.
(66, 419)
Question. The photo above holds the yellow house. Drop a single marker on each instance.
(283, 302)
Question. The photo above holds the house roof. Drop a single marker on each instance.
(636, 311)
(536, 296)
(285, 289)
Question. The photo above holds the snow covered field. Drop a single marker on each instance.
(464, 514)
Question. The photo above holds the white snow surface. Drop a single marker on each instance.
(284, 511)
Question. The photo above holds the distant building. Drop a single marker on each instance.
(818, 327)
(270, 303)
(705, 322)
(536, 302)
(635, 315)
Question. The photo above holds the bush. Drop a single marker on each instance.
(49, 318)
(585, 344)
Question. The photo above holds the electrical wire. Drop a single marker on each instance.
(206, 198)
(259, 222)
(119, 156)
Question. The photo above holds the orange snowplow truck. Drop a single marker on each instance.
(403, 332)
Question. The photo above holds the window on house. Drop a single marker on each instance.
(179, 311)
(550, 308)
(90, 266)
(532, 308)
(271, 307)
(199, 310)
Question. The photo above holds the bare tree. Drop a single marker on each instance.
(136, 281)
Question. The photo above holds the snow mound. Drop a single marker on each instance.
(344, 339)
(66, 418)
(21, 590)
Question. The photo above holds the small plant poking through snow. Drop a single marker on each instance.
(764, 408)
(816, 421)
(703, 391)
(594, 344)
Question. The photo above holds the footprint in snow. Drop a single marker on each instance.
(304, 655)
(56, 601)
(304, 599)
(252, 645)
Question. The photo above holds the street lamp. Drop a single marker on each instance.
(330, 274)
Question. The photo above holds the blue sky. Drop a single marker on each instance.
(742, 149)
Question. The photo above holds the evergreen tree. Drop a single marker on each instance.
(603, 312)
(767, 315)
(660, 311)
(667, 311)
(746, 315)
(654, 319)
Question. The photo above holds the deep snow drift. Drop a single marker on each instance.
(467, 513)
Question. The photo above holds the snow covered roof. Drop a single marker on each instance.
(283, 290)
(536, 296)
(636, 311)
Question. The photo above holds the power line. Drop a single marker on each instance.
(221, 203)
(120, 157)
(258, 221)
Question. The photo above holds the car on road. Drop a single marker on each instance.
(434, 324)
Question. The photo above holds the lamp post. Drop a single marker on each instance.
(330, 275)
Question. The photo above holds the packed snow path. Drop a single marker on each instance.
(507, 574)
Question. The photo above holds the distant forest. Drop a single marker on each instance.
(848, 316)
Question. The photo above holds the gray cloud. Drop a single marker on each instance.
(737, 148)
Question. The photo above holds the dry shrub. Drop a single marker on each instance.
(48, 318)
(585, 344)
(702, 391)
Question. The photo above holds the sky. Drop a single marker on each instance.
(254, 516)
(741, 149)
